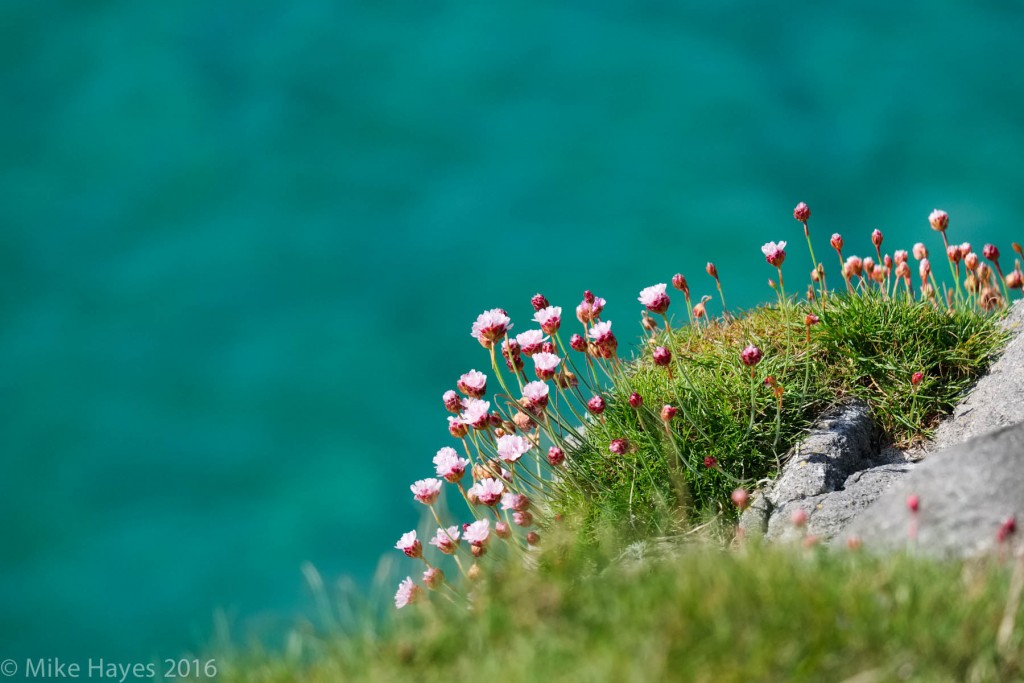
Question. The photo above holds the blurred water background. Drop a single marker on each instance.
(242, 245)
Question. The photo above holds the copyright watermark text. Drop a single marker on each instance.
(55, 668)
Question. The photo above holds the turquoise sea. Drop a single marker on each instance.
(242, 244)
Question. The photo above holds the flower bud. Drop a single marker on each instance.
(710, 462)
(578, 343)
(971, 261)
(523, 518)
(712, 271)
(802, 212)
(668, 412)
(539, 302)
(876, 238)
(799, 517)
(916, 378)
(679, 282)
(433, 577)
(555, 456)
(837, 241)
(502, 530)
(635, 400)
(662, 356)
(533, 538)
(740, 498)
(618, 446)
(913, 503)
(452, 402)
(596, 405)
(1014, 280)
(939, 220)
(991, 252)
(751, 356)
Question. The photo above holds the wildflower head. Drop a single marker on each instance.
(853, 267)
(913, 503)
(802, 212)
(854, 542)
(488, 491)
(522, 518)
(971, 261)
(649, 323)
(965, 249)
(920, 251)
(491, 326)
(924, 269)
(991, 252)
(868, 265)
(426, 491)
(990, 299)
(900, 256)
(515, 501)
(618, 446)
(1006, 529)
(751, 355)
(635, 400)
(452, 402)
(916, 378)
(539, 302)
(512, 447)
(457, 428)
(1014, 279)
(662, 356)
(502, 530)
(837, 241)
(408, 593)
(556, 456)
(577, 343)
(876, 238)
(475, 413)
(774, 253)
(530, 341)
(679, 282)
(903, 270)
(811, 319)
(710, 462)
(446, 540)
(711, 270)
(953, 253)
(605, 342)
(939, 220)
(654, 298)
(700, 309)
(450, 466)
(668, 412)
(477, 533)
(799, 517)
(433, 577)
(596, 405)
(590, 308)
(473, 384)
(545, 365)
(410, 545)
(533, 538)
(549, 318)
(740, 498)
(535, 396)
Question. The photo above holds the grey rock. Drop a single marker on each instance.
(965, 494)
(997, 400)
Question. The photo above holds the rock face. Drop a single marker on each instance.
(965, 493)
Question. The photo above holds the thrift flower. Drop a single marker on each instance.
(531, 341)
(446, 540)
(457, 428)
(433, 577)
(618, 446)
(916, 378)
(410, 545)
(751, 356)
(556, 456)
(491, 326)
(596, 405)
(513, 447)
(802, 212)
(533, 538)
(774, 253)
(604, 339)
(539, 302)
(740, 498)
(450, 466)
(635, 400)
(473, 384)
(590, 308)
(876, 238)
(668, 412)
(920, 251)
(679, 282)
(900, 256)
(452, 402)
(654, 298)
(487, 491)
(408, 593)
(799, 517)
(426, 491)
(522, 518)
(535, 396)
(662, 356)
(991, 252)
(515, 501)
(502, 530)
(837, 241)
(854, 266)
(939, 220)
(913, 503)
(545, 364)
(475, 413)
(549, 318)
(478, 533)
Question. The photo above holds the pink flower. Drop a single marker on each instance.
(426, 491)
(991, 252)
(502, 530)
(655, 298)
(913, 503)
(535, 396)
(590, 308)
(740, 498)
(751, 355)
(953, 253)
(545, 364)
(710, 461)
(491, 326)
(450, 466)
(971, 261)
(662, 356)
(668, 412)
(802, 212)
(711, 270)
(604, 339)
(523, 518)
(876, 238)
(774, 253)
(939, 220)
(457, 428)
(446, 540)
(433, 577)
(679, 282)
(577, 343)
(511, 447)
(596, 405)
(920, 251)
(452, 402)
(549, 319)
(533, 538)
(531, 341)
(473, 384)
(556, 456)
(900, 256)
(408, 593)
(515, 501)
(916, 378)
(488, 491)
(539, 301)
(837, 241)
(854, 266)
(799, 517)
(635, 400)
(478, 533)
(924, 269)
(410, 545)
(475, 413)
(618, 446)
(965, 249)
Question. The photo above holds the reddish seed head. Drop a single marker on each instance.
(991, 252)
(751, 356)
(588, 296)
(618, 446)
(712, 271)
(555, 456)
(668, 412)
(636, 400)
(679, 282)
(799, 517)
(913, 504)
(740, 498)
(916, 378)
(539, 301)
(939, 220)
(596, 405)
(802, 212)
(837, 241)
(876, 238)
(662, 356)
(710, 462)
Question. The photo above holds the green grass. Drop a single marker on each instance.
(865, 346)
(708, 614)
